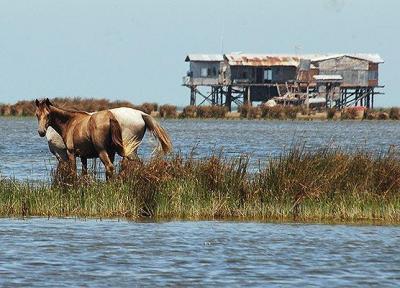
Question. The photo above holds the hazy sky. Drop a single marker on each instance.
(135, 50)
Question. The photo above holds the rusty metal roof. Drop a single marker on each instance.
(262, 60)
(371, 57)
(239, 59)
(204, 57)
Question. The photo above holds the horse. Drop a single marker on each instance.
(102, 134)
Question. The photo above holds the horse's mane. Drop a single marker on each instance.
(72, 110)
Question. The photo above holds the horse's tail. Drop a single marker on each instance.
(158, 132)
(116, 136)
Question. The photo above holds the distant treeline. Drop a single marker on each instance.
(27, 108)
(280, 112)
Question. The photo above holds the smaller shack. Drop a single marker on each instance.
(357, 70)
(205, 69)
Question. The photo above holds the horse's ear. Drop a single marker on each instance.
(37, 103)
(48, 103)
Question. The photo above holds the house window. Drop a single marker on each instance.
(204, 72)
(267, 75)
(373, 75)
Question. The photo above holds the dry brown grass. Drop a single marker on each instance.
(168, 111)
(211, 111)
(146, 107)
(394, 113)
(249, 112)
(27, 108)
(281, 112)
(189, 112)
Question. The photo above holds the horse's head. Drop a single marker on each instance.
(42, 114)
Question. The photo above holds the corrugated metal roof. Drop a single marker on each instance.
(204, 57)
(328, 77)
(235, 59)
(371, 57)
(262, 60)
(239, 59)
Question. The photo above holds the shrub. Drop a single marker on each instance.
(291, 111)
(150, 107)
(353, 113)
(383, 116)
(248, 111)
(147, 107)
(211, 111)
(394, 113)
(167, 111)
(330, 113)
(371, 114)
(5, 110)
(189, 111)
(274, 112)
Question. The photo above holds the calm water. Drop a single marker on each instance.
(79, 253)
(23, 154)
(71, 253)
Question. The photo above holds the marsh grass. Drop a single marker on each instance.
(168, 111)
(299, 185)
(211, 111)
(249, 112)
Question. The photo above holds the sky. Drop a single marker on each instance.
(135, 50)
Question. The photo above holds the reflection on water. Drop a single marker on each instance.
(70, 253)
(23, 154)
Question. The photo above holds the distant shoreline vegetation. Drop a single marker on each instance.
(279, 112)
(323, 185)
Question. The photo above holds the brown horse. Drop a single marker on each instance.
(101, 134)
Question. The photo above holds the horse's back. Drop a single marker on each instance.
(127, 116)
(130, 120)
(132, 127)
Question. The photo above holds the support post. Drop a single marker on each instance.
(248, 102)
(192, 95)
(228, 98)
(372, 99)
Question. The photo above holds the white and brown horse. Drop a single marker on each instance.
(101, 134)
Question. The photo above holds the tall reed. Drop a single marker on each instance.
(298, 185)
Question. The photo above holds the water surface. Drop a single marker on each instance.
(23, 154)
(76, 253)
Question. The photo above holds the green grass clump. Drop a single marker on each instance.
(323, 185)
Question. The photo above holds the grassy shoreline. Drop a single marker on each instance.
(322, 186)
(279, 112)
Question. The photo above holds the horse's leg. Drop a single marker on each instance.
(72, 162)
(71, 166)
(111, 155)
(84, 166)
(103, 155)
